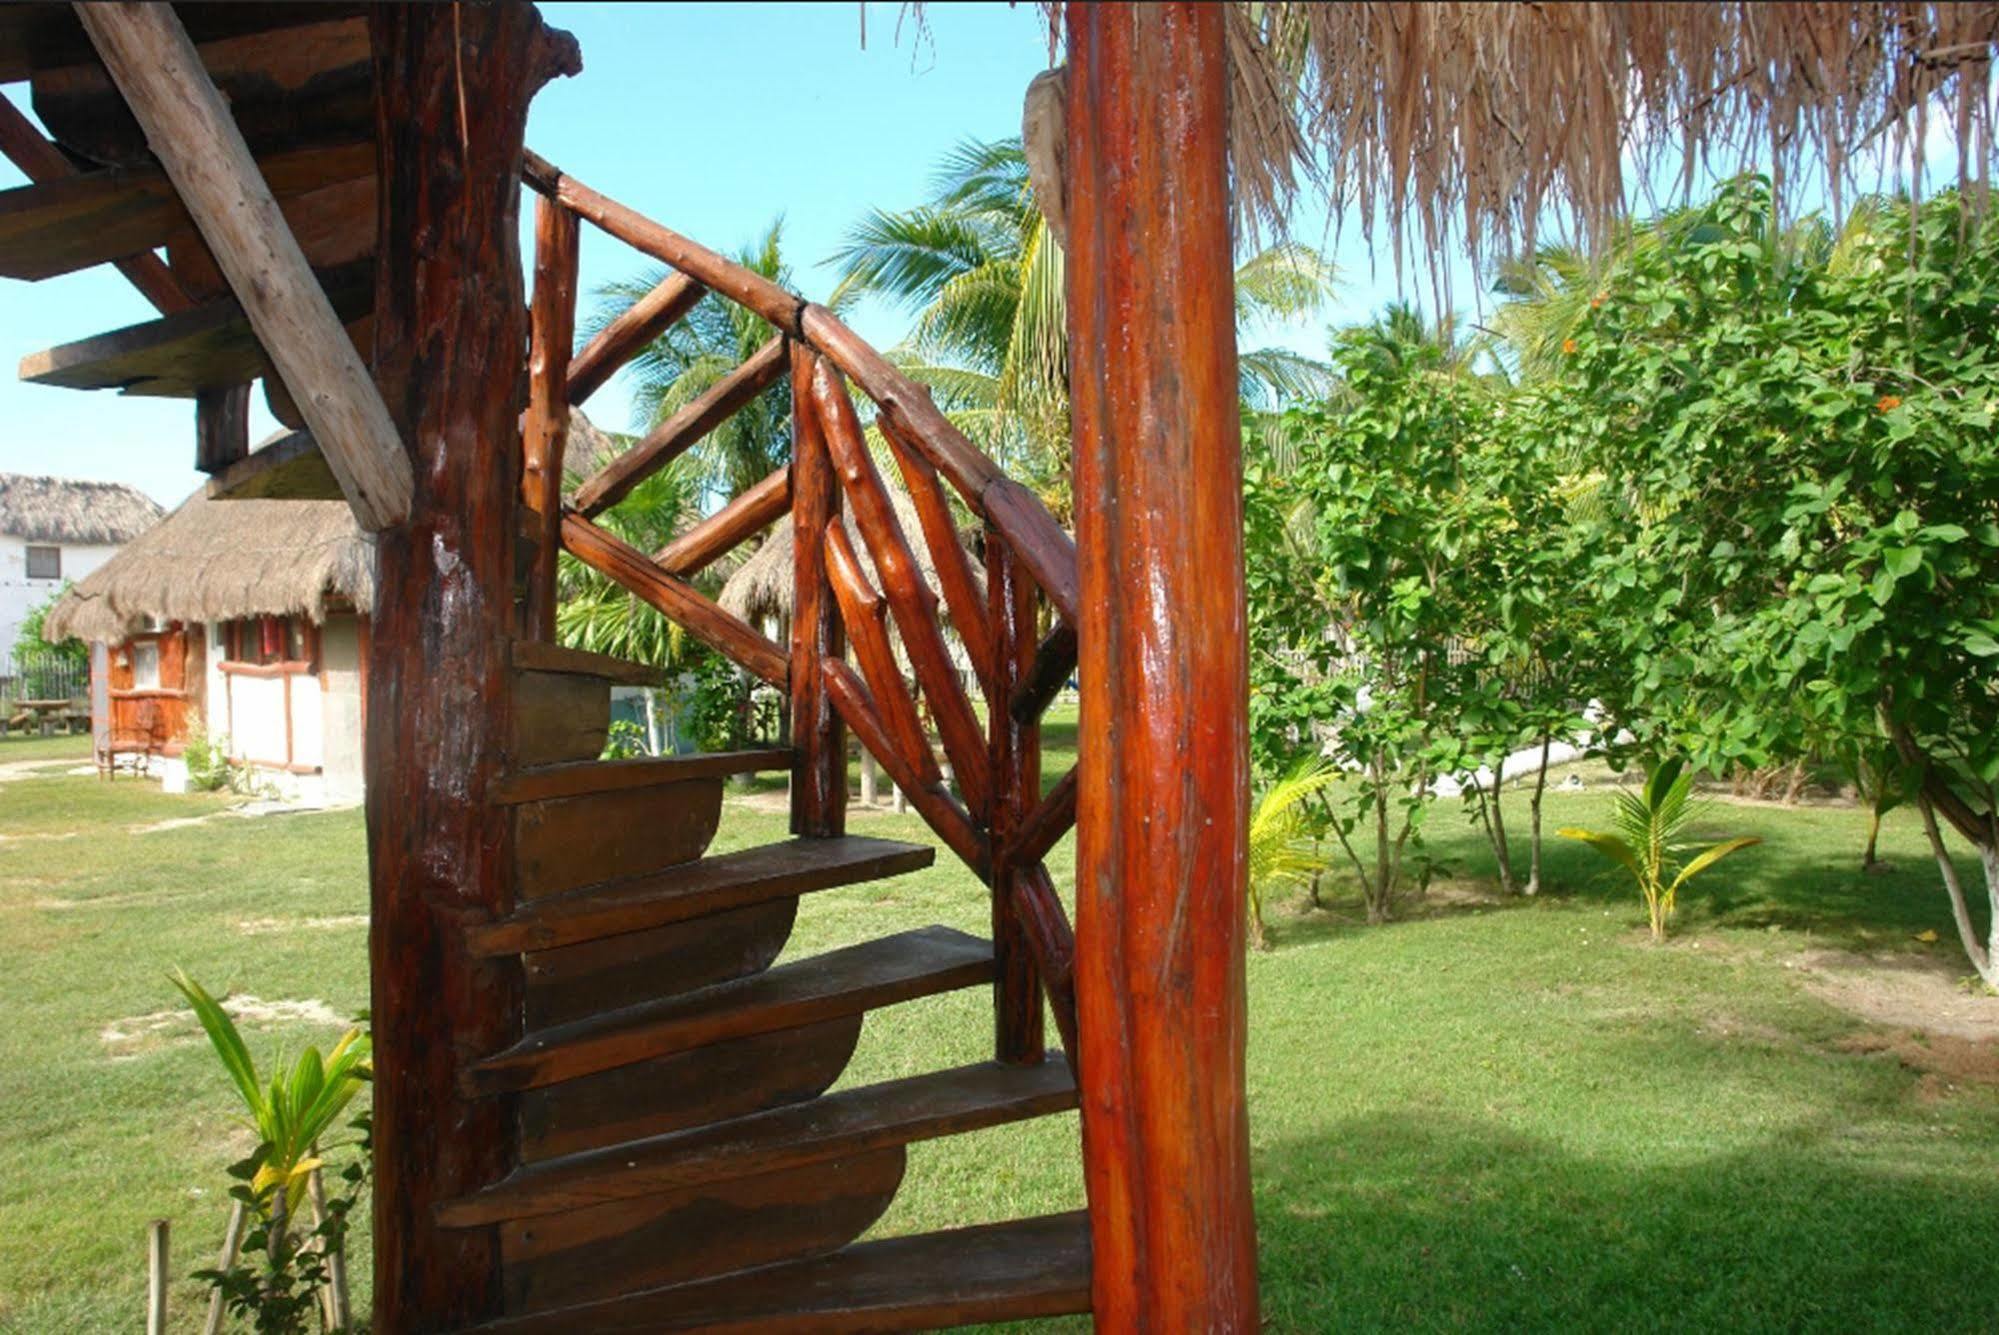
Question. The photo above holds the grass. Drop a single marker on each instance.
(1489, 1115)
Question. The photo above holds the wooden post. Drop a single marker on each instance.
(190, 130)
(819, 770)
(552, 332)
(452, 85)
(1016, 761)
(232, 1245)
(158, 1266)
(221, 427)
(1163, 796)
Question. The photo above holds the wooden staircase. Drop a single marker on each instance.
(657, 1146)
(680, 1161)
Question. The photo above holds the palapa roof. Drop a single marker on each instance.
(762, 585)
(1479, 124)
(60, 509)
(222, 560)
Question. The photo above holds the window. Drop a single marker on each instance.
(146, 665)
(262, 641)
(44, 563)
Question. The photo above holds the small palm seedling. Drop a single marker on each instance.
(1278, 851)
(291, 1116)
(1645, 840)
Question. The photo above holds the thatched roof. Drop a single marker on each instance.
(60, 509)
(1480, 123)
(222, 560)
(761, 587)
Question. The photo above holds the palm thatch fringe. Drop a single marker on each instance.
(220, 561)
(1482, 124)
(60, 509)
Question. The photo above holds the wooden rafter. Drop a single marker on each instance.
(750, 513)
(190, 130)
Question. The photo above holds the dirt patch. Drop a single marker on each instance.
(136, 1035)
(241, 811)
(1724, 1025)
(1904, 992)
(280, 926)
(1944, 1061)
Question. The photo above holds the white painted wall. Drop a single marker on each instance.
(326, 717)
(19, 594)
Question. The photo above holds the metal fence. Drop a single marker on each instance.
(35, 675)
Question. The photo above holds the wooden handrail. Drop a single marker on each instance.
(740, 284)
(631, 568)
(1048, 553)
(942, 812)
(753, 511)
(909, 598)
(1053, 662)
(1044, 826)
(954, 565)
(622, 339)
(867, 635)
(1033, 897)
(682, 431)
(545, 424)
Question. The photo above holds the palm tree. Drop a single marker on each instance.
(985, 277)
(712, 340)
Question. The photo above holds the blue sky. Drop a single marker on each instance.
(714, 119)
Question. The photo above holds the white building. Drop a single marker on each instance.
(54, 529)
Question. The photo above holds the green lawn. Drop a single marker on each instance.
(1490, 1116)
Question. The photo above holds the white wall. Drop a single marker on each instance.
(326, 716)
(19, 594)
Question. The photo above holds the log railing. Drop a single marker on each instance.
(841, 668)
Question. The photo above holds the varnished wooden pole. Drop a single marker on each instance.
(819, 743)
(1016, 764)
(1163, 792)
(545, 427)
(451, 334)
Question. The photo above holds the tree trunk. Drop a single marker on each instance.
(870, 780)
(1871, 860)
(1984, 956)
(450, 355)
(1534, 819)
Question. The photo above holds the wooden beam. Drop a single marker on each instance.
(221, 427)
(40, 161)
(622, 339)
(938, 808)
(1051, 818)
(682, 431)
(865, 616)
(452, 319)
(545, 427)
(819, 743)
(212, 346)
(632, 569)
(750, 513)
(288, 469)
(1163, 802)
(190, 131)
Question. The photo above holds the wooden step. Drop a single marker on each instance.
(175, 356)
(853, 1121)
(541, 656)
(697, 889)
(840, 982)
(1014, 1271)
(578, 777)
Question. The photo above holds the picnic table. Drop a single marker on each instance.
(46, 713)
